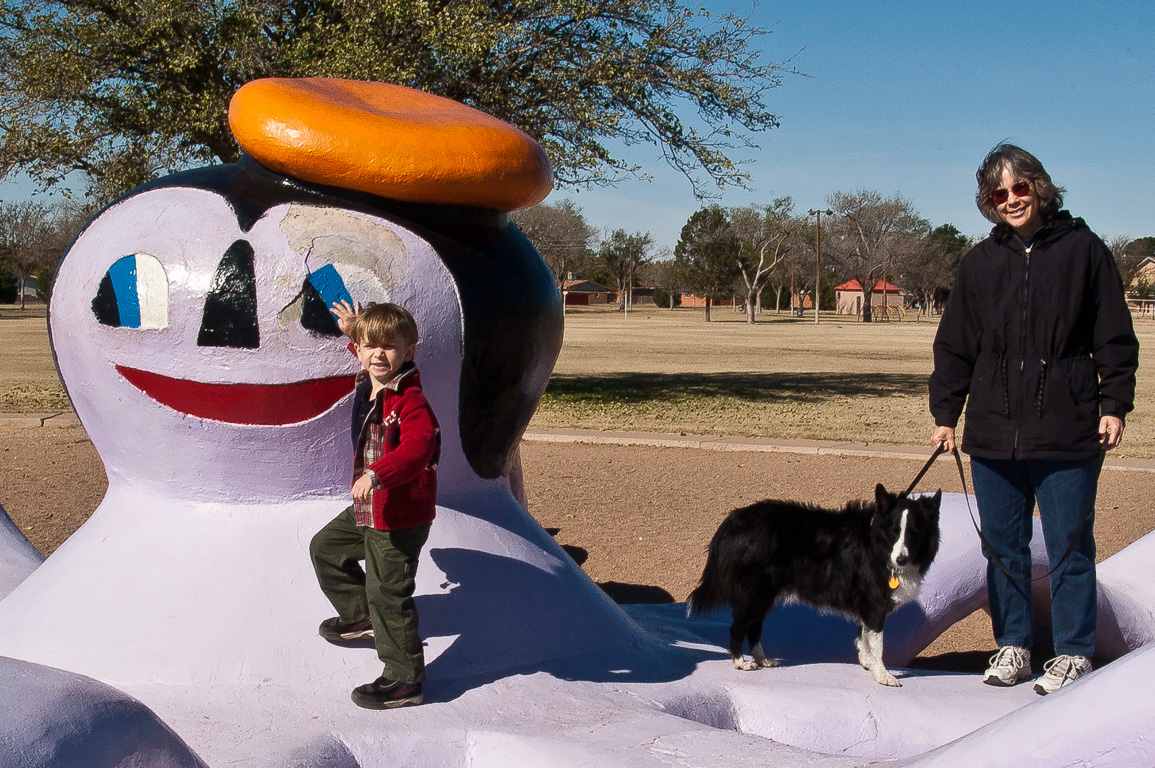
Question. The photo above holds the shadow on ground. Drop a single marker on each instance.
(753, 387)
(955, 661)
(620, 592)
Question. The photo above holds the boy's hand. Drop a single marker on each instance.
(363, 488)
(344, 314)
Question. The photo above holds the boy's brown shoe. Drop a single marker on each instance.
(342, 633)
(384, 693)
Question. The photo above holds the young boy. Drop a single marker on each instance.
(397, 443)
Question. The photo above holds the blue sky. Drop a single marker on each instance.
(908, 97)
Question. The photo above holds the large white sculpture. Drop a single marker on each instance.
(18, 557)
(190, 327)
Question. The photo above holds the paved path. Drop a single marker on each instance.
(769, 445)
(661, 440)
(46, 419)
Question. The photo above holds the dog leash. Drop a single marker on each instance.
(939, 450)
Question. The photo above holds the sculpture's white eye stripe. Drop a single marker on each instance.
(152, 291)
(133, 293)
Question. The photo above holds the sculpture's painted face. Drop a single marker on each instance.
(201, 356)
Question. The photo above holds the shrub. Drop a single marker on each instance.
(7, 286)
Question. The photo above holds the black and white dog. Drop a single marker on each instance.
(862, 561)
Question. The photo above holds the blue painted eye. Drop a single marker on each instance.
(329, 285)
(133, 294)
(323, 288)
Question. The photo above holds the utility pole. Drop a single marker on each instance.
(818, 254)
(630, 282)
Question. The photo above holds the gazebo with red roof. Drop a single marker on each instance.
(849, 296)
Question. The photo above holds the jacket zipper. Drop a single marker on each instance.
(1023, 339)
(1042, 386)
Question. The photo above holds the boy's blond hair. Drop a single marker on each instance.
(383, 322)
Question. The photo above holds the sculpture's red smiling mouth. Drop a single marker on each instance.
(264, 404)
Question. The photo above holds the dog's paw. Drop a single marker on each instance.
(749, 665)
(885, 678)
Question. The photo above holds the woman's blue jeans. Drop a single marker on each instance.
(1006, 493)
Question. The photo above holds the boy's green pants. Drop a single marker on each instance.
(381, 591)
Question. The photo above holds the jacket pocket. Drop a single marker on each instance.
(1080, 382)
(988, 390)
(1068, 421)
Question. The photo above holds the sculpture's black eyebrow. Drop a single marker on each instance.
(251, 189)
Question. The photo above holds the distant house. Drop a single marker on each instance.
(642, 295)
(849, 298)
(1141, 291)
(30, 288)
(804, 303)
(1144, 273)
(582, 293)
(694, 300)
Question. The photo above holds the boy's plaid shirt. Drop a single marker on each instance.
(400, 444)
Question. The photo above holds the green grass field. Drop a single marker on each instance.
(670, 371)
(28, 380)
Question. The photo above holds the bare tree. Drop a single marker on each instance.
(664, 274)
(1130, 255)
(929, 262)
(766, 236)
(794, 272)
(27, 241)
(799, 265)
(620, 256)
(560, 234)
(865, 235)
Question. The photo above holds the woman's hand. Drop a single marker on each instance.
(1110, 432)
(943, 436)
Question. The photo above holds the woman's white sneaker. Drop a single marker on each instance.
(1061, 671)
(1009, 666)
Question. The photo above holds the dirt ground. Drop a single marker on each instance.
(637, 518)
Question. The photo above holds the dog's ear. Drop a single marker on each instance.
(883, 499)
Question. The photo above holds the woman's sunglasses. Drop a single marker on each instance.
(1020, 188)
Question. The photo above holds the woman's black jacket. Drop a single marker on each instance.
(1037, 344)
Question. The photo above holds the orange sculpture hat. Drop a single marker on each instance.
(390, 141)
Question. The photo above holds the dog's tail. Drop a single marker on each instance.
(709, 593)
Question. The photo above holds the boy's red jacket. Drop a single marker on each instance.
(399, 441)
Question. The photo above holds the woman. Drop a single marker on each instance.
(1037, 340)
